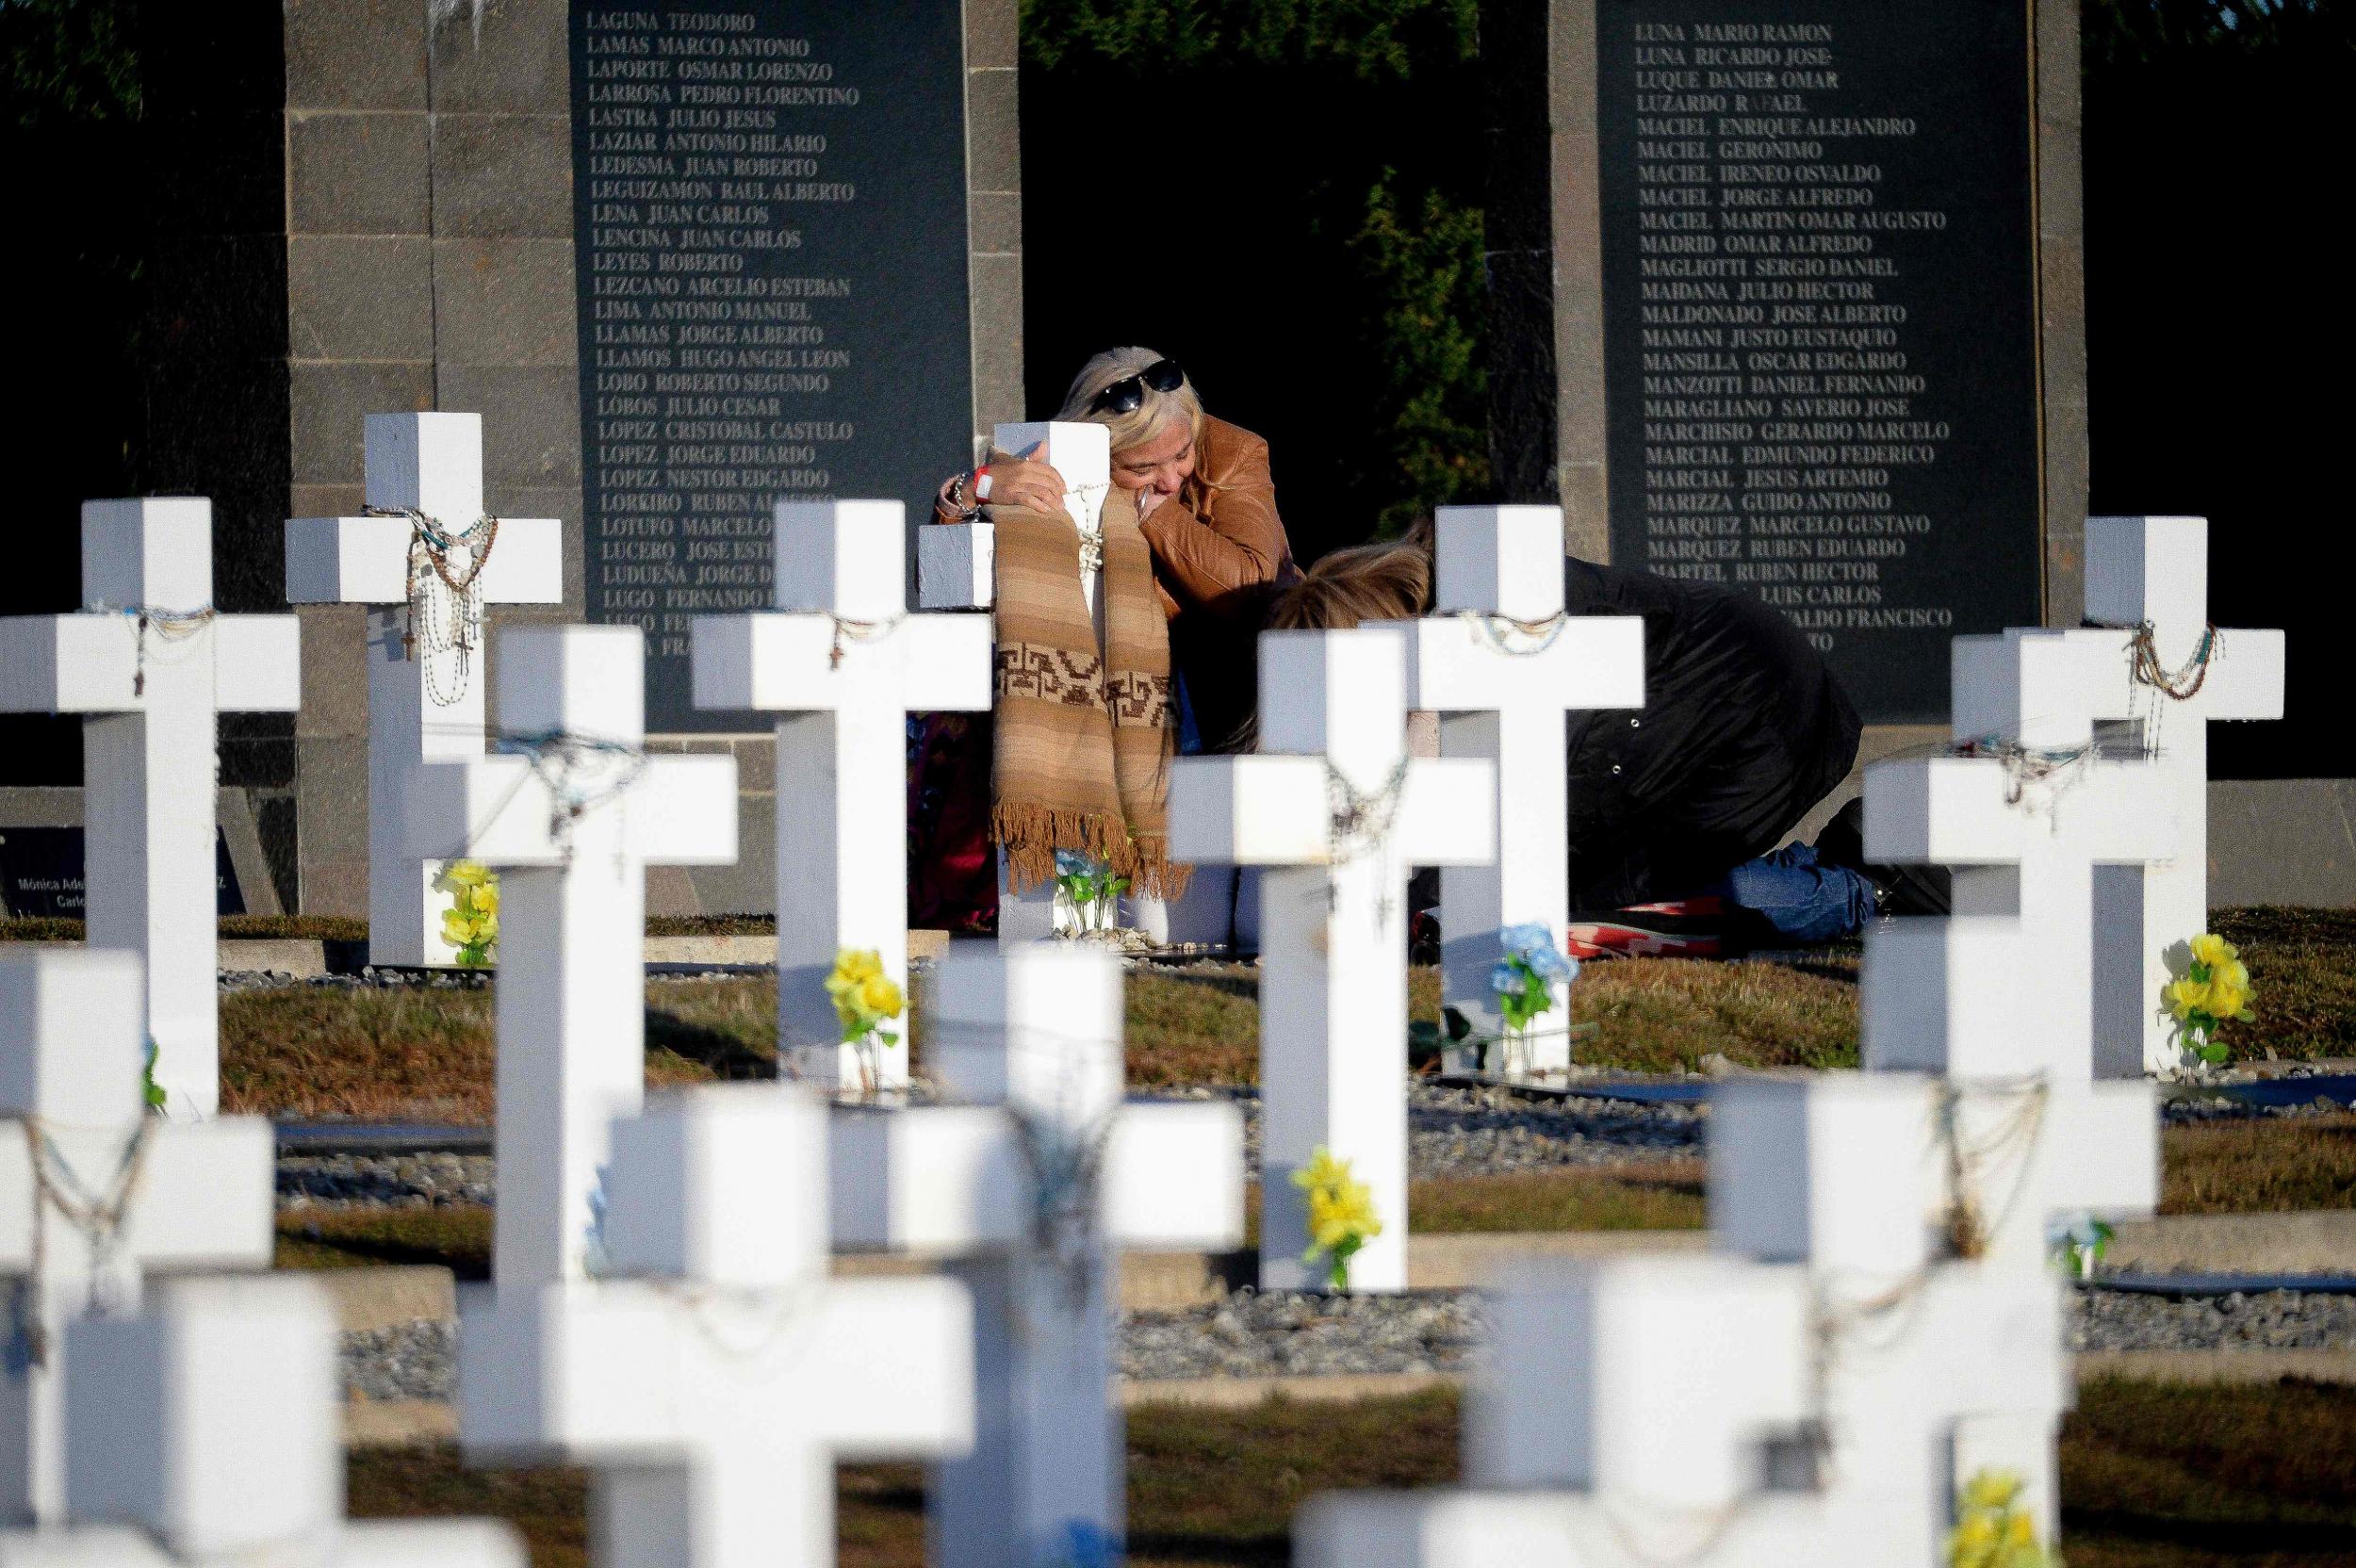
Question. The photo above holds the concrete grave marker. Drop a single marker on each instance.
(570, 814)
(1035, 1185)
(204, 1431)
(843, 665)
(2154, 571)
(152, 664)
(717, 1375)
(94, 1191)
(427, 580)
(1504, 667)
(1334, 808)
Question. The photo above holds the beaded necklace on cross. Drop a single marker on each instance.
(581, 772)
(169, 626)
(1492, 629)
(1090, 502)
(2179, 685)
(97, 1215)
(445, 600)
(1358, 820)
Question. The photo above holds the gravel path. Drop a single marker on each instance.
(2275, 1320)
(1250, 1334)
(382, 1180)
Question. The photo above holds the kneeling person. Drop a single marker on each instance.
(1675, 808)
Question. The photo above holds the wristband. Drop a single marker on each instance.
(981, 483)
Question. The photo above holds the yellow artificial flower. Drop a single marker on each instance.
(2226, 1001)
(467, 873)
(1991, 1488)
(2186, 997)
(486, 899)
(856, 964)
(2232, 971)
(881, 997)
(2020, 1532)
(2212, 950)
(1341, 1217)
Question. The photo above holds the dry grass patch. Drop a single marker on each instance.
(1662, 1197)
(1207, 1489)
(2302, 973)
(458, 1238)
(2155, 1476)
(2265, 1165)
(1664, 1015)
(1193, 1028)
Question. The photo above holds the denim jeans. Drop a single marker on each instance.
(1802, 897)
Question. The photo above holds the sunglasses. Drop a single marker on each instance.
(1127, 395)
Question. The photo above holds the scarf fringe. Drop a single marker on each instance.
(1031, 834)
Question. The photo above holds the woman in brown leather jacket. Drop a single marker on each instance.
(1206, 504)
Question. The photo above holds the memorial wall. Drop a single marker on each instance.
(770, 214)
(1820, 331)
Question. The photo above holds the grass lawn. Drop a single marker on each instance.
(2153, 1476)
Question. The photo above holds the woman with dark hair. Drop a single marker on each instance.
(1676, 808)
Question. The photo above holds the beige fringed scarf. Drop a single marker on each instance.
(1084, 743)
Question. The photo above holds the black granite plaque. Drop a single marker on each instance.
(1820, 329)
(41, 873)
(770, 223)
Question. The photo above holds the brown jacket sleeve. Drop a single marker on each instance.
(1221, 532)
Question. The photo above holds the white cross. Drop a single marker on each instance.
(2033, 857)
(2156, 570)
(1504, 667)
(425, 704)
(1832, 1376)
(956, 568)
(152, 686)
(957, 563)
(204, 1431)
(189, 1195)
(571, 816)
(844, 664)
(1333, 806)
(1035, 1184)
(718, 1373)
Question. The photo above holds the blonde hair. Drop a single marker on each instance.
(1367, 582)
(1145, 423)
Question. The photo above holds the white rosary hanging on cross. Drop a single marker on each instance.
(1085, 503)
(445, 600)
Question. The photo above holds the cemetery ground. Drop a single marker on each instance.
(2153, 1476)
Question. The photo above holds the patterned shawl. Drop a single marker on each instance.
(1083, 743)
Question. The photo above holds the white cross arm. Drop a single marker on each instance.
(591, 1370)
(1437, 1530)
(955, 562)
(227, 1161)
(1664, 1376)
(952, 1179)
(375, 1544)
(785, 663)
(81, 663)
(89, 663)
(1952, 810)
(1592, 662)
(1274, 810)
(2041, 687)
(366, 561)
(2097, 1147)
(257, 664)
(681, 813)
(1930, 1004)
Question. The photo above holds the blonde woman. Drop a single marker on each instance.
(1175, 641)
(1206, 504)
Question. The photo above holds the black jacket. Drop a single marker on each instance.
(1743, 728)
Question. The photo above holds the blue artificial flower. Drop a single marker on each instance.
(1552, 964)
(1518, 941)
(1087, 1545)
(1070, 862)
(1505, 977)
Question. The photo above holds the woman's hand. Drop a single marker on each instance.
(1032, 486)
